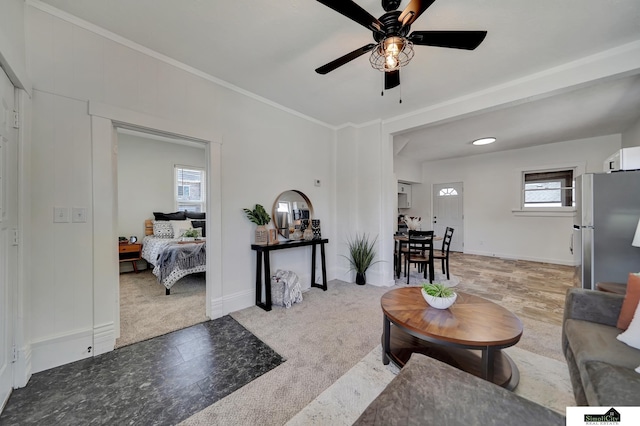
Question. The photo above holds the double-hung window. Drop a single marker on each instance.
(189, 188)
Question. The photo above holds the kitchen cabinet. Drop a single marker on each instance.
(404, 195)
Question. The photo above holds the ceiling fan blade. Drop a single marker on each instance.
(344, 59)
(354, 12)
(413, 10)
(468, 40)
(391, 79)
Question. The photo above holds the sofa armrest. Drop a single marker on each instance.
(594, 306)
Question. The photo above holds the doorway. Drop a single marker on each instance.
(8, 233)
(448, 212)
(146, 166)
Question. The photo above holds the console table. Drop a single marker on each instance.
(262, 251)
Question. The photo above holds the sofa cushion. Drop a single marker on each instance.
(612, 385)
(631, 336)
(427, 391)
(593, 342)
(631, 299)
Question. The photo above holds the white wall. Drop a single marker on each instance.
(145, 179)
(631, 137)
(492, 191)
(265, 150)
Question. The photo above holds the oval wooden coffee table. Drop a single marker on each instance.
(469, 335)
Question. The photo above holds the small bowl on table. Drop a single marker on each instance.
(439, 302)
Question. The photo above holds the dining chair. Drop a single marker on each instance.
(443, 255)
(420, 252)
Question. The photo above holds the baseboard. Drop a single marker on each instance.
(216, 308)
(237, 301)
(62, 349)
(104, 338)
(512, 257)
(22, 367)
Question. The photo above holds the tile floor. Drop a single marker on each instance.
(159, 381)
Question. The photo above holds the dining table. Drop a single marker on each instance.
(399, 241)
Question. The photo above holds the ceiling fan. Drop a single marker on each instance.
(393, 47)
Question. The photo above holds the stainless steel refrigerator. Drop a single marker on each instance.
(607, 213)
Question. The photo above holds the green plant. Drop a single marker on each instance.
(437, 290)
(258, 215)
(361, 252)
(191, 233)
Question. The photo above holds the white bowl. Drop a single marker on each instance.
(439, 302)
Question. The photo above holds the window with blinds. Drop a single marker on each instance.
(548, 188)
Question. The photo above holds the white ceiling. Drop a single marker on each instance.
(271, 48)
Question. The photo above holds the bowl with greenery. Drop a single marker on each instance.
(190, 235)
(438, 295)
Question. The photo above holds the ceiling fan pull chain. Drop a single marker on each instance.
(382, 91)
(400, 93)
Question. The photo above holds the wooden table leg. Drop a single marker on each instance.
(313, 264)
(258, 278)
(386, 339)
(267, 281)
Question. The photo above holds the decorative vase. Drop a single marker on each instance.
(361, 278)
(439, 302)
(308, 234)
(297, 234)
(262, 235)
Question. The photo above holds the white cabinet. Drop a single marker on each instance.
(404, 195)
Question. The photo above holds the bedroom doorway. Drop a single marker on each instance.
(150, 161)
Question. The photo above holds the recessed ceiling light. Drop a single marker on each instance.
(484, 141)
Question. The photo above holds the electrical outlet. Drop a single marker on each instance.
(61, 214)
(78, 214)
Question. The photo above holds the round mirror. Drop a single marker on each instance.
(291, 208)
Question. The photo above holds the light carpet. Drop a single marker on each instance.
(330, 333)
(146, 312)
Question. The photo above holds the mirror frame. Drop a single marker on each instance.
(274, 210)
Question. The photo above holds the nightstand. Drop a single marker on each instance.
(130, 253)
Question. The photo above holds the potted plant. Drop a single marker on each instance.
(260, 217)
(438, 295)
(361, 255)
(190, 235)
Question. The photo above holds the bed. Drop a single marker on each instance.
(171, 258)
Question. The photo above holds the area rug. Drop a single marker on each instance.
(146, 312)
(330, 332)
(542, 380)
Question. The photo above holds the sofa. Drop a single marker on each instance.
(430, 392)
(600, 366)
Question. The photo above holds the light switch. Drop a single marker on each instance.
(61, 214)
(78, 214)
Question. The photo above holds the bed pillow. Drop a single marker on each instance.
(162, 229)
(200, 224)
(169, 216)
(630, 301)
(179, 227)
(194, 215)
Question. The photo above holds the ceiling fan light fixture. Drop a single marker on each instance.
(484, 141)
(391, 53)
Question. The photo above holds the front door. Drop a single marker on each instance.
(8, 233)
(447, 212)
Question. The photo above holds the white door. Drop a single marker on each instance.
(447, 211)
(8, 230)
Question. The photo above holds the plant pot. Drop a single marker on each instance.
(439, 302)
(361, 278)
(262, 235)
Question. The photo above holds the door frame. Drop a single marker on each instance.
(104, 121)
